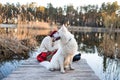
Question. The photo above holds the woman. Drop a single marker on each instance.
(48, 47)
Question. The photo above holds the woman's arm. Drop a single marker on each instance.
(49, 45)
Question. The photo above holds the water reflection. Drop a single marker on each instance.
(7, 67)
(104, 63)
(112, 71)
(105, 42)
(89, 38)
(105, 68)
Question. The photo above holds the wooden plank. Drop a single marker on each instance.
(71, 28)
(32, 70)
(8, 25)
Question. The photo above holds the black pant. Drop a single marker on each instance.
(77, 57)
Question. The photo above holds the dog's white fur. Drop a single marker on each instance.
(64, 55)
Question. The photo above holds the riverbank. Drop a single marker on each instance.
(12, 48)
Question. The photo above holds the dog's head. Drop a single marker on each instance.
(63, 33)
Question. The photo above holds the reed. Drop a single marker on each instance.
(109, 46)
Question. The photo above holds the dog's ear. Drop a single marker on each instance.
(64, 29)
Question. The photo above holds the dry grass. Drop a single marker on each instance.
(109, 46)
(12, 48)
(18, 42)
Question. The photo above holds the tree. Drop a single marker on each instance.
(40, 12)
(108, 13)
(59, 14)
(50, 11)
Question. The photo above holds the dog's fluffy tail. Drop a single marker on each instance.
(45, 64)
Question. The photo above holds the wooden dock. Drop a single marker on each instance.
(32, 70)
(92, 29)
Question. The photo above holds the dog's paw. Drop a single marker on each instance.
(71, 68)
(62, 71)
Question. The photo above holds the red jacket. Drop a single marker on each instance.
(45, 56)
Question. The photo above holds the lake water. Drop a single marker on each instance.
(7, 67)
(104, 68)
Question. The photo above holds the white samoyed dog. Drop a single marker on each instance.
(64, 56)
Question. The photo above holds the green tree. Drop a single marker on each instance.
(50, 11)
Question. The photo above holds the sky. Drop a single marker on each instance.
(61, 3)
